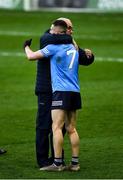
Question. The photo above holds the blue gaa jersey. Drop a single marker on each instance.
(64, 67)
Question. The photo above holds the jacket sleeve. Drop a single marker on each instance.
(83, 59)
(48, 38)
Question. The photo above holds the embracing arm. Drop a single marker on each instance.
(86, 57)
(33, 55)
(48, 38)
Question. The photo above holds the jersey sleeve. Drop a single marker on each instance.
(48, 50)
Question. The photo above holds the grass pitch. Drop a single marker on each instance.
(100, 122)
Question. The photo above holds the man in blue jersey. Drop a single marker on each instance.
(66, 95)
(43, 90)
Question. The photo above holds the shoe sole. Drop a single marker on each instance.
(52, 169)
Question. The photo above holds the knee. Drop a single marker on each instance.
(70, 130)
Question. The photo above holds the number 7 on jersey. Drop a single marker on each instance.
(73, 52)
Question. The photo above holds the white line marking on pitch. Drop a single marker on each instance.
(83, 36)
(17, 33)
(20, 54)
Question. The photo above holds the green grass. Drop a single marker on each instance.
(100, 124)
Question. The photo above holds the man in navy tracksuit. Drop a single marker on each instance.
(43, 91)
